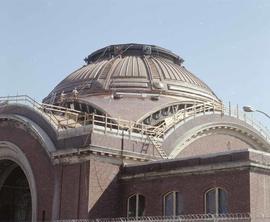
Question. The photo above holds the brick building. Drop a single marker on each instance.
(131, 133)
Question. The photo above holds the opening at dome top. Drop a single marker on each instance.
(132, 49)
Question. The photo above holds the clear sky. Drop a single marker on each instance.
(226, 43)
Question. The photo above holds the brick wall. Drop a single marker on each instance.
(104, 193)
(260, 194)
(192, 188)
(40, 163)
(213, 144)
(74, 190)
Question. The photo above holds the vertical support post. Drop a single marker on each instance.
(66, 116)
(84, 121)
(245, 117)
(111, 124)
(77, 118)
(93, 121)
(106, 119)
(222, 110)
(185, 112)
(153, 148)
(237, 111)
(230, 109)
(142, 130)
(118, 122)
(194, 110)
(130, 128)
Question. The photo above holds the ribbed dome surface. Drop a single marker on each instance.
(133, 68)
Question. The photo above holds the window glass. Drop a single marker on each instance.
(141, 206)
(173, 204)
(216, 201)
(179, 203)
(223, 202)
(169, 204)
(211, 202)
(136, 206)
(132, 206)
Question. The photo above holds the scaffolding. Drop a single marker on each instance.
(62, 118)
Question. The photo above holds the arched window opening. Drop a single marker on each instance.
(159, 117)
(136, 206)
(172, 204)
(216, 201)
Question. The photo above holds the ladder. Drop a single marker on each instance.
(158, 132)
(158, 147)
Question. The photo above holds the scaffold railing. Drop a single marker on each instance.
(63, 118)
(49, 111)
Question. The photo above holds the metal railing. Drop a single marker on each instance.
(235, 112)
(238, 217)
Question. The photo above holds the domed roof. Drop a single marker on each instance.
(133, 68)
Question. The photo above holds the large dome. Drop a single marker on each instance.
(134, 68)
(124, 77)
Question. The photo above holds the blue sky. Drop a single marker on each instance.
(226, 43)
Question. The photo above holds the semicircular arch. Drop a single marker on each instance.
(170, 108)
(9, 151)
(238, 131)
(43, 137)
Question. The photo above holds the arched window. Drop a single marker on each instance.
(216, 201)
(136, 206)
(172, 204)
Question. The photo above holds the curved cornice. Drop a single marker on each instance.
(30, 114)
(36, 130)
(200, 126)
